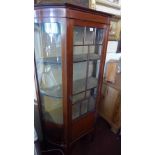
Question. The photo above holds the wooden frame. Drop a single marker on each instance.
(71, 16)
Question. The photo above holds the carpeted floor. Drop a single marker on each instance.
(105, 142)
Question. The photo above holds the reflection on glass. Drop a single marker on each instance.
(90, 35)
(99, 36)
(78, 35)
(75, 110)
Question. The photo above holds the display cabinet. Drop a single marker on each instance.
(70, 47)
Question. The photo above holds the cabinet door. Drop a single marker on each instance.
(87, 49)
(107, 105)
(48, 60)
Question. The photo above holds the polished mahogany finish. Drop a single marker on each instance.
(73, 16)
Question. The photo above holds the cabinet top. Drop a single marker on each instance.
(68, 5)
(66, 10)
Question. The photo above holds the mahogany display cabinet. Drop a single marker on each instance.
(70, 45)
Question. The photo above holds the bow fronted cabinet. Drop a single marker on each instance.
(70, 48)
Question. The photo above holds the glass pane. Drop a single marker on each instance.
(48, 41)
(91, 94)
(90, 36)
(52, 109)
(95, 52)
(84, 105)
(80, 53)
(78, 97)
(93, 72)
(91, 103)
(50, 79)
(99, 36)
(78, 35)
(97, 49)
(47, 44)
(75, 110)
(79, 77)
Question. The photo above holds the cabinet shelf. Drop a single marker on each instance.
(85, 57)
(50, 60)
(76, 59)
(78, 87)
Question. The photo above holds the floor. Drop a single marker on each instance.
(105, 142)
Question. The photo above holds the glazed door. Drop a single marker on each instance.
(48, 58)
(87, 50)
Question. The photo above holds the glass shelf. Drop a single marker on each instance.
(78, 86)
(85, 57)
(76, 59)
(50, 60)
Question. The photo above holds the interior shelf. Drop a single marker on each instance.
(50, 60)
(76, 58)
(85, 57)
(78, 86)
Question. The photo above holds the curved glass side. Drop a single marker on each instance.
(47, 44)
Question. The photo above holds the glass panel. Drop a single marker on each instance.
(52, 109)
(99, 36)
(84, 105)
(97, 49)
(93, 72)
(91, 103)
(75, 110)
(47, 44)
(87, 51)
(48, 38)
(95, 52)
(79, 77)
(91, 94)
(80, 53)
(78, 97)
(90, 36)
(50, 79)
(78, 35)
